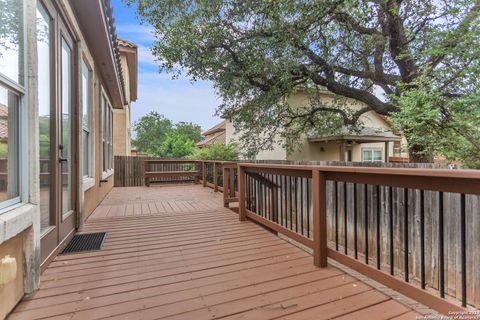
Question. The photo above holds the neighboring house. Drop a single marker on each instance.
(121, 117)
(135, 153)
(213, 135)
(375, 142)
(63, 75)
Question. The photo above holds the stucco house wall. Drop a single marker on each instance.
(323, 150)
(20, 235)
(122, 117)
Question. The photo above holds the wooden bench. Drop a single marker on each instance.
(169, 174)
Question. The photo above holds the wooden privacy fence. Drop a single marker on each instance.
(414, 230)
(128, 171)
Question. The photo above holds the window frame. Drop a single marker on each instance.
(373, 150)
(89, 145)
(23, 124)
(106, 111)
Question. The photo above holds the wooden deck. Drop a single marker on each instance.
(174, 252)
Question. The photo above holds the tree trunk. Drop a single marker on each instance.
(418, 154)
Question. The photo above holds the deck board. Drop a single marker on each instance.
(174, 252)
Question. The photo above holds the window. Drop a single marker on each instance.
(11, 41)
(372, 155)
(44, 57)
(9, 145)
(65, 124)
(86, 121)
(107, 135)
(11, 93)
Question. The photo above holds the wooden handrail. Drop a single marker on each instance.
(456, 181)
(171, 171)
(169, 161)
(442, 180)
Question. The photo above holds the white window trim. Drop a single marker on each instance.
(382, 152)
(16, 214)
(88, 183)
(105, 173)
(16, 219)
(91, 132)
(21, 90)
(108, 173)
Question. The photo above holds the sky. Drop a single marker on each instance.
(179, 99)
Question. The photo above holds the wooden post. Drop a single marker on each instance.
(386, 151)
(215, 177)
(274, 191)
(225, 187)
(204, 174)
(232, 183)
(146, 169)
(319, 197)
(241, 194)
(196, 169)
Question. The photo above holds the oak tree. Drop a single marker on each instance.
(416, 61)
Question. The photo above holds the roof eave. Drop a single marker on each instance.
(97, 25)
(132, 60)
(360, 139)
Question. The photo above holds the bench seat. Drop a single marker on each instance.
(169, 174)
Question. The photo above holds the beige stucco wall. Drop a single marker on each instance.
(369, 119)
(11, 289)
(20, 224)
(327, 151)
(324, 151)
(119, 133)
(277, 153)
(121, 117)
(95, 194)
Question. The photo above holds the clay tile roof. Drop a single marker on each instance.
(218, 127)
(126, 43)
(217, 138)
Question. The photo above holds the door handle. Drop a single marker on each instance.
(62, 159)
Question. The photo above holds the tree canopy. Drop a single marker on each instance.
(416, 61)
(216, 151)
(158, 136)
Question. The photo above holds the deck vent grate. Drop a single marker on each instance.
(85, 242)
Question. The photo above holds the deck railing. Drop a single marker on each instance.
(387, 223)
(414, 230)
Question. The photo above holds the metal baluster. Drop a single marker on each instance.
(366, 223)
(405, 233)
(463, 249)
(280, 199)
(355, 223)
(441, 251)
(296, 205)
(254, 195)
(390, 209)
(308, 208)
(422, 239)
(379, 205)
(301, 205)
(336, 214)
(285, 194)
(345, 223)
(291, 205)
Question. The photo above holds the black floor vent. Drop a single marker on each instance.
(85, 242)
